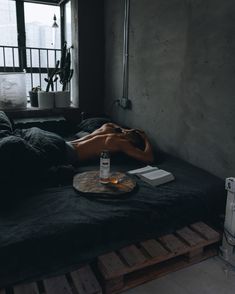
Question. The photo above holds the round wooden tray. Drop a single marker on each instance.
(89, 182)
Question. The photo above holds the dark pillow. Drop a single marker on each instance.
(5, 124)
(91, 124)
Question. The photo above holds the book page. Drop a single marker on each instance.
(156, 174)
(145, 169)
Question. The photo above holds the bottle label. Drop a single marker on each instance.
(104, 168)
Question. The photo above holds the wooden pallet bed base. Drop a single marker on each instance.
(137, 264)
(153, 272)
(82, 281)
(133, 265)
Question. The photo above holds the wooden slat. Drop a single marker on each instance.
(111, 265)
(157, 259)
(114, 285)
(57, 285)
(172, 243)
(26, 289)
(85, 281)
(195, 254)
(205, 231)
(159, 270)
(154, 248)
(190, 237)
(132, 255)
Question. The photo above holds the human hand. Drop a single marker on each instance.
(141, 133)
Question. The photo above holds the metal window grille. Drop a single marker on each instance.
(35, 61)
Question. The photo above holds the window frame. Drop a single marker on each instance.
(21, 33)
(23, 54)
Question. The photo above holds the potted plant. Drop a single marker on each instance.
(62, 69)
(62, 98)
(33, 95)
(46, 99)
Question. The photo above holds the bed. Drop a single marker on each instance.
(55, 229)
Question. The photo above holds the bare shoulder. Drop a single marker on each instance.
(114, 142)
(109, 125)
(107, 128)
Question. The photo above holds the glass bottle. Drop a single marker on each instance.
(104, 167)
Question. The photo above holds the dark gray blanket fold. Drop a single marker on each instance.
(25, 158)
(57, 229)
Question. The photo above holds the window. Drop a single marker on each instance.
(31, 38)
(8, 27)
(38, 25)
(68, 33)
(8, 33)
(41, 33)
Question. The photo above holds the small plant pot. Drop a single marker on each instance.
(46, 99)
(62, 99)
(33, 98)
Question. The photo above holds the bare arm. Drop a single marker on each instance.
(145, 155)
(107, 128)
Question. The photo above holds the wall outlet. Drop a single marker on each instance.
(125, 103)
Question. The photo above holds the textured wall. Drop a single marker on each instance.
(182, 76)
(91, 55)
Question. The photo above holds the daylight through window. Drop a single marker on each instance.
(31, 38)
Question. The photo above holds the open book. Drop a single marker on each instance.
(153, 175)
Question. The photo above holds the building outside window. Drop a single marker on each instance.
(40, 33)
(31, 38)
(39, 20)
(8, 31)
(8, 26)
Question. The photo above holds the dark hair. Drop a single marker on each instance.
(136, 139)
(118, 130)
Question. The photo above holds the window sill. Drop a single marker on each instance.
(71, 113)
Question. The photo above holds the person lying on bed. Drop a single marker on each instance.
(113, 138)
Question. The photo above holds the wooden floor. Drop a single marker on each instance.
(133, 265)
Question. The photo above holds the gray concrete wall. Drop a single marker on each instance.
(90, 61)
(181, 76)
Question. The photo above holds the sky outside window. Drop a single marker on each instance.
(38, 24)
(68, 33)
(8, 27)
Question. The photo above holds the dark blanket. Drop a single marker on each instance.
(25, 158)
(58, 229)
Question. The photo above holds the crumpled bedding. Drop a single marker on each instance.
(25, 158)
(55, 230)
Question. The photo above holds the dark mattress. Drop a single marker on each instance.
(58, 229)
